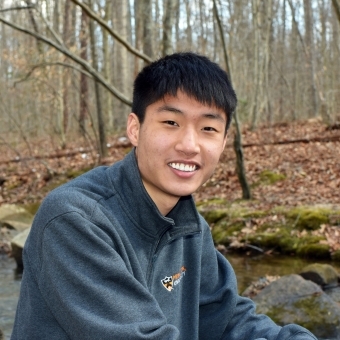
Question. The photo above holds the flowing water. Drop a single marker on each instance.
(9, 292)
(247, 269)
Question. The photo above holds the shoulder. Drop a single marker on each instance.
(80, 195)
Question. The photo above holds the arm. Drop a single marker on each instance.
(89, 289)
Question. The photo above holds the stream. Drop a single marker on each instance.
(247, 269)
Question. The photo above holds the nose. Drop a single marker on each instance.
(188, 142)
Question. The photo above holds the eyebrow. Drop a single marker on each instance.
(210, 115)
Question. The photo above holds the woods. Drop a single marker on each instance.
(67, 66)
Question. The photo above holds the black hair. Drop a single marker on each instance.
(194, 74)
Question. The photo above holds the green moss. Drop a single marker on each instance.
(275, 313)
(224, 231)
(315, 250)
(255, 214)
(55, 184)
(311, 308)
(269, 177)
(304, 312)
(212, 202)
(227, 220)
(212, 216)
(320, 273)
(220, 235)
(32, 208)
(309, 218)
(71, 173)
(280, 241)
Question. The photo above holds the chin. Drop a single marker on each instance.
(181, 193)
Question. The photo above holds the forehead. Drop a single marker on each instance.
(182, 103)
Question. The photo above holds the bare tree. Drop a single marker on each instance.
(84, 87)
(99, 106)
(336, 6)
(147, 27)
(240, 167)
(310, 58)
(168, 24)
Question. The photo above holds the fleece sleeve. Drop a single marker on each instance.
(231, 316)
(89, 289)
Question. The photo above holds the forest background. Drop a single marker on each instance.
(67, 69)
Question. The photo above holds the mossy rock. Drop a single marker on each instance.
(255, 214)
(281, 241)
(213, 202)
(223, 232)
(316, 251)
(291, 299)
(309, 218)
(212, 216)
(321, 274)
(32, 208)
(220, 236)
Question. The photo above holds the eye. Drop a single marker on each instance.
(209, 128)
(170, 122)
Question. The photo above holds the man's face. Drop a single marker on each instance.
(177, 146)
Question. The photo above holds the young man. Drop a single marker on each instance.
(121, 252)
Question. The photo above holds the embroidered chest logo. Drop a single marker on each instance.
(169, 282)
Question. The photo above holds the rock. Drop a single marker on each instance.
(322, 274)
(15, 217)
(292, 299)
(17, 244)
(256, 286)
(334, 294)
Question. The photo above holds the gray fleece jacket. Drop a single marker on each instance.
(101, 262)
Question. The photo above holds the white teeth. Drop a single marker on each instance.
(183, 167)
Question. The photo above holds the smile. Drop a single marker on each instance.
(183, 167)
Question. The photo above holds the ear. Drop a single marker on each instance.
(132, 128)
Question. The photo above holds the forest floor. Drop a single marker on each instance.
(286, 164)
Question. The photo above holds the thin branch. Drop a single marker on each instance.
(56, 63)
(297, 27)
(74, 57)
(53, 32)
(17, 8)
(104, 24)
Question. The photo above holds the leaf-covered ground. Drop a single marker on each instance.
(286, 164)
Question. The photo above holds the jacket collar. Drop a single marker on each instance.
(138, 205)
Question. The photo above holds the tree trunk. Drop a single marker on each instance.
(267, 63)
(100, 117)
(121, 63)
(336, 6)
(310, 58)
(148, 33)
(168, 23)
(66, 30)
(107, 62)
(256, 72)
(188, 28)
(240, 168)
(84, 87)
